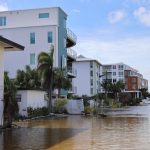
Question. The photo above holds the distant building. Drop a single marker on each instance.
(133, 80)
(88, 78)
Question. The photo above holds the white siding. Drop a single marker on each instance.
(82, 81)
(31, 98)
(23, 18)
(22, 36)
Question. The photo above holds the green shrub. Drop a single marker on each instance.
(88, 110)
(59, 105)
(37, 112)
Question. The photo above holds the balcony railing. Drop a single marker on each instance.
(73, 90)
(71, 53)
(71, 35)
(72, 71)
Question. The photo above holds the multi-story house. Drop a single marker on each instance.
(88, 77)
(5, 45)
(133, 80)
(37, 29)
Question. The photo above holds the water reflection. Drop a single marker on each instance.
(80, 133)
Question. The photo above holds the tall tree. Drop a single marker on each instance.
(60, 80)
(45, 68)
(116, 88)
(10, 102)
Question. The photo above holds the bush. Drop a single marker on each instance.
(59, 105)
(37, 112)
(88, 110)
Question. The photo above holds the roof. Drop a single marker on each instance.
(81, 58)
(10, 45)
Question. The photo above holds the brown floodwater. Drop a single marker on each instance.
(81, 133)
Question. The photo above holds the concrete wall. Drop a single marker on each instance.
(24, 18)
(1, 83)
(23, 57)
(31, 98)
(75, 107)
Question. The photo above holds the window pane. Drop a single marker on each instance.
(50, 37)
(32, 38)
(2, 21)
(32, 59)
(44, 15)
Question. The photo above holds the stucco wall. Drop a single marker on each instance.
(31, 98)
(82, 81)
(75, 107)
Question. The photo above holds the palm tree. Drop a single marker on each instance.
(60, 80)
(45, 68)
(116, 88)
(10, 102)
(28, 79)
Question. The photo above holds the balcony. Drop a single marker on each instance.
(71, 38)
(72, 90)
(72, 72)
(72, 55)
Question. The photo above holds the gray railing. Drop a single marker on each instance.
(72, 53)
(71, 35)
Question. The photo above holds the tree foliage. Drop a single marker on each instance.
(10, 103)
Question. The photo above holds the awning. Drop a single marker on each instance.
(10, 45)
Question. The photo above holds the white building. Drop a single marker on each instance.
(133, 80)
(30, 98)
(5, 45)
(88, 77)
(36, 29)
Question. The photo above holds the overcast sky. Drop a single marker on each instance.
(109, 30)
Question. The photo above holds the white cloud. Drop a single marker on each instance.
(139, 2)
(143, 15)
(3, 7)
(132, 51)
(116, 16)
(76, 10)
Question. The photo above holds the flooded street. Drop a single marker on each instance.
(83, 133)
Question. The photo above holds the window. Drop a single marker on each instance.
(2, 21)
(50, 37)
(32, 59)
(91, 82)
(91, 64)
(91, 73)
(114, 73)
(92, 91)
(120, 73)
(18, 97)
(114, 67)
(114, 80)
(32, 38)
(133, 80)
(44, 15)
(120, 67)
(65, 43)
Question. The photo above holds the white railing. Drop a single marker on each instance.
(73, 89)
(72, 53)
(72, 71)
(71, 35)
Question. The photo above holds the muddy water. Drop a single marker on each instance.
(81, 133)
